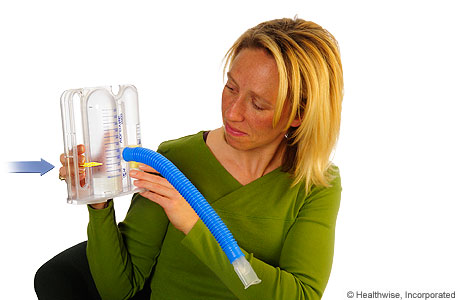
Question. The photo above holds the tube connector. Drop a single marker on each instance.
(245, 272)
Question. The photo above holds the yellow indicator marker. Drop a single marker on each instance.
(133, 164)
(91, 164)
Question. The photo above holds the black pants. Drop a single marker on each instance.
(67, 277)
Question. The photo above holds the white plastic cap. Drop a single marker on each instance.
(245, 272)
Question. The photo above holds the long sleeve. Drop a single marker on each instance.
(122, 257)
(287, 236)
(305, 261)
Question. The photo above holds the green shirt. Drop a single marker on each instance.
(286, 235)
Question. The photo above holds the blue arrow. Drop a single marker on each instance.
(41, 167)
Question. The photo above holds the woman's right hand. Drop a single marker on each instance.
(81, 170)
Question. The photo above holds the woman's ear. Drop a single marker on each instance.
(296, 122)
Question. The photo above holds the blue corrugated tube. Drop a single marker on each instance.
(196, 200)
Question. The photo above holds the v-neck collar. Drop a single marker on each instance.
(229, 177)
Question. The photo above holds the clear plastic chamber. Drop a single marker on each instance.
(104, 122)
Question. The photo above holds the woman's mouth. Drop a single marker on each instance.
(233, 131)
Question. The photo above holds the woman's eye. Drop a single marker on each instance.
(229, 87)
(256, 106)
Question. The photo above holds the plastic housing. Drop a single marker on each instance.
(105, 123)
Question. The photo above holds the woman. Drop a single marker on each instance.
(266, 172)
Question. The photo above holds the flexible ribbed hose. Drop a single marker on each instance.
(196, 200)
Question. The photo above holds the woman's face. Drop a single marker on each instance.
(248, 102)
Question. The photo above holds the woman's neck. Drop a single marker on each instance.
(245, 165)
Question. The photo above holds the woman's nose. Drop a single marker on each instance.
(235, 109)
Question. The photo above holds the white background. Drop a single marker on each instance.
(398, 226)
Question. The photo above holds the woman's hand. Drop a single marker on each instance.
(81, 170)
(160, 191)
(66, 161)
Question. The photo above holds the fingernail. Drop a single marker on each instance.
(132, 173)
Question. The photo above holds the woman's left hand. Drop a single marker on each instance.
(160, 191)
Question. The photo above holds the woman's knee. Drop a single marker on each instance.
(66, 276)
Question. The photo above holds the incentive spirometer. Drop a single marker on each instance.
(107, 124)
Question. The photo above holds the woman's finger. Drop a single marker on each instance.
(160, 200)
(80, 152)
(155, 177)
(155, 187)
(63, 172)
(80, 149)
(81, 159)
(147, 168)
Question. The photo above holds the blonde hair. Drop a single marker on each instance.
(311, 84)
